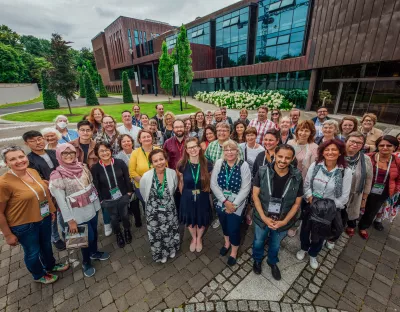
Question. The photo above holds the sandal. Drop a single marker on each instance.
(350, 231)
(363, 234)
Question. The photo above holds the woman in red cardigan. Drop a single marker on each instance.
(385, 181)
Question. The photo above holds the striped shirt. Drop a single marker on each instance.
(262, 127)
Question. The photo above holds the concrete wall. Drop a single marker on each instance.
(18, 92)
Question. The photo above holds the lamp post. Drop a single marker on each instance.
(136, 79)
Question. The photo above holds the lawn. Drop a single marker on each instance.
(33, 101)
(114, 110)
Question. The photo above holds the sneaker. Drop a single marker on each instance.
(100, 255)
(163, 260)
(301, 254)
(215, 224)
(330, 245)
(120, 240)
(60, 245)
(107, 229)
(47, 279)
(88, 270)
(128, 236)
(172, 254)
(60, 267)
(313, 263)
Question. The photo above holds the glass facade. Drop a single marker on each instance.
(232, 38)
(129, 39)
(146, 51)
(137, 43)
(200, 34)
(171, 41)
(281, 29)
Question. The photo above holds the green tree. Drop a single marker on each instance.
(82, 90)
(36, 46)
(12, 67)
(126, 90)
(91, 98)
(62, 75)
(49, 98)
(165, 70)
(10, 37)
(102, 89)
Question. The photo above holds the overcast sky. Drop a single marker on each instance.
(80, 20)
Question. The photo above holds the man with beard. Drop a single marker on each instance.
(294, 119)
(175, 145)
(218, 117)
(136, 116)
(159, 117)
(128, 128)
(277, 206)
(262, 123)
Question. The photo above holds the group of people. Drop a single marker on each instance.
(281, 174)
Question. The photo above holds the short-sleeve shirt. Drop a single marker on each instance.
(22, 205)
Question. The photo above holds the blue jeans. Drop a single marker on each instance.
(230, 224)
(58, 222)
(106, 216)
(35, 239)
(92, 237)
(274, 244)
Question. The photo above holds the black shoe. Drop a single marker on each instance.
(231, 261)
(120, 240)
(257, 267)
(378, 226)
(60, 245)
(223, 251)
(276, 273)
(128, 236)
(138, 223)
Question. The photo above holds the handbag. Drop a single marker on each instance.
(77, 240)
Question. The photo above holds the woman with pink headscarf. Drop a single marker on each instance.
(72, 186)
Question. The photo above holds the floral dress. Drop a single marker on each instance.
(162, 225)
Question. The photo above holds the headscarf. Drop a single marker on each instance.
(71, 170)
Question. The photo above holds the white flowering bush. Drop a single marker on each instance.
(243, 99)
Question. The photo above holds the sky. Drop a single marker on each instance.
(81, 20)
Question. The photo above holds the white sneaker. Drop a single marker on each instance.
(172, 254)
(313, 263)
(301, 254)
(163, 260)
(330, 245)
(215, 224)
(107, 229)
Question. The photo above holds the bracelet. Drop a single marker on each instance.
(225, 201)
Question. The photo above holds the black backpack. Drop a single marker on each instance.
(322, 213)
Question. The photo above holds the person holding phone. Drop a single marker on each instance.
(71, 184)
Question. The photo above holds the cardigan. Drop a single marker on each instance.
(147, 181)
(371, 138)
(138, 164)
(394, 173)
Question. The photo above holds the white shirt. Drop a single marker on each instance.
(133, 132)
(251, 153)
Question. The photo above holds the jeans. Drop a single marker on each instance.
(230, 224)
(58, 222)
(35, 239)
(313, 248)
(106, 215)
(118, 210)
(92, 237)
(274, 244)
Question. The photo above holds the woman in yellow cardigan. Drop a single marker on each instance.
(139, 162)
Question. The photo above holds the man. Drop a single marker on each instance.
(261, 123)
(226, 118)
(128, 128)
(136, 116)
(217, 116)
(277, 206)
(159, 117)
(44, 162)
(294, 119)
(322, 115)
(175, 146)
(84, 144)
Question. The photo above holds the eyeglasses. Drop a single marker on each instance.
(368, 120)
(352, 142)
(108, 123)
(222, 130)
(68, 154)
(192, 148)
(230, 150)
(36, 140)
(274, 114)
(85, 130)
(385, 145)
(104, 151)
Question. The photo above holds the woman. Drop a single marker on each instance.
(348, 125)
(96, 118)
(109, 133)
(126, 144)
(139, 162)
(330, 129)
(158, 186)
(67, 135)
(371, 133)
(169, 119)
(158, 138)
(398, 139)
(193, 120)
(271, 141)
(144, 118)
(189, 130)
(26, 210)
(200, 124)
(327, 178)
(285, 134)
(52, 136)
(194, 184)
(230, 183)
(385, 182)
(275, 117)
(71, 184)
(111, 178)
(243, 116)
(209, 117)
(239, 128)
(209, 135)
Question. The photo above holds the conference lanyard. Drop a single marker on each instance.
(387, 170)
(30, 187)
(269, 186)
(228, 175)
(179, 148)
(160, 187)
(144, 153)
(195, 178)
(108, 179)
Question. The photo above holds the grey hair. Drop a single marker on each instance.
(231, 143)
(11, 148)
(48, 130)
(60, 116)
(332, 122)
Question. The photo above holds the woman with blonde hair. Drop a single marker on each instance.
(371, 133)
(276, 116)
(330, 130)
(347, 125)
(243, 114)
(67, 135)
(52, 136)
(168, 122)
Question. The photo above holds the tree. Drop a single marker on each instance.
(12, 67)
(165, 70)
(91, 98)
(62, 75)
(49, 98)
(126, 90)
(10, 37)
(36, 46)
(82, 90)
(184, 60)
(102, 89)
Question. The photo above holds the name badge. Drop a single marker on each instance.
(274, 208)
(378, 188)
(44, 208)
(195, 193)
(161, 208)
(93, 197)
(115, 193)
(317, 195)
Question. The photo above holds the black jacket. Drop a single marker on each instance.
(40, 165)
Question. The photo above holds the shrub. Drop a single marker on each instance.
(49, 98)
(91, 98)
(102, 89)
(126, 90)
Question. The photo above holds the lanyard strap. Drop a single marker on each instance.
(387, 170)
(195, 178)
(228, 176)
(31, 188)
(108, 179)
(177, 146)
(245, 151)
(160, 187)
(144, 153)
(269, 186)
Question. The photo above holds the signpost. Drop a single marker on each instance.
(137, 85)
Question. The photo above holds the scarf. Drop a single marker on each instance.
(337, 176)
(353, 162)
(71, 170)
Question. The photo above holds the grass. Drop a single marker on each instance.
(33, 101)
(48, 115)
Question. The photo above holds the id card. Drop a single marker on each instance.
(317, 195)
(44, 208)
(115, 193)
(93, 197)
(378, 188)
(274, 206)
(161, 208)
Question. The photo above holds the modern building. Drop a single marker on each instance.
(349, 47)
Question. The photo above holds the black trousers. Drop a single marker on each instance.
(134, 210)
(372, 206)
(118, 210)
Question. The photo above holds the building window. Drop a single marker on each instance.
(129, 39)
(146, 51)
(137, 44)
(171, 41)
(200, 34)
